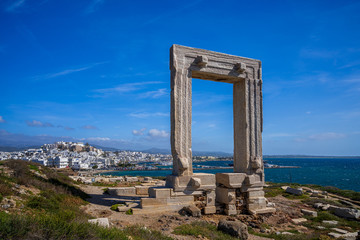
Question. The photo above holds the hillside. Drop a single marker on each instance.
(40, 203)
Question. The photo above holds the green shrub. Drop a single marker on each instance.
(129, 212)
(115, 207)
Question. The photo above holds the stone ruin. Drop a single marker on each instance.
(229, 193)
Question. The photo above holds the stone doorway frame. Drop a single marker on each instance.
(245, 75)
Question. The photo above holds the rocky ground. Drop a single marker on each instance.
(284, 223)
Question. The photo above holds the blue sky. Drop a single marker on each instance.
(98, 71)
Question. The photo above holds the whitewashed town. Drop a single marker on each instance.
(80, 156)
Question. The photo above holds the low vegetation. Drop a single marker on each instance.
(201, 230)
(353, 195)
(294, 236)
(44, 226)
(55, 211)
(324, 215)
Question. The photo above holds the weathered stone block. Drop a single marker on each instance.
(253, 194)
(230, 212)
(191, 183)
(131, 179)
(210, 210)
(230, 180)
(225, 195)
(210, 198)
(142, 190)
(123, 191)
(159, 192)
(151, 202)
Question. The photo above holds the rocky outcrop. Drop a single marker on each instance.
(234, 228)
(295, 191)
(348, 213)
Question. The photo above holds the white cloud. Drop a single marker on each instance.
(138, 132)
(147, 114)
(2, 119)
(156, 133)
(155, 94)
(15, 5)
(212, 125)
(96, 139)
(35, 123)
(66, 72)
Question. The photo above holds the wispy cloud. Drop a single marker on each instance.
(89, 127)
(125, 88)
(147, 114)
(94, 5)
(138, 132)
(96, 139)
(212, 125)
(35, 123)
(155, 94)
(15, 5)
(278, 135)
(350, 64)
(69, 128)
(156, 133)
(322, 137)
(2, 119)
(66, 72)
(317, 53)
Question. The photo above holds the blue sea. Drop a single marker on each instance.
(343, 173)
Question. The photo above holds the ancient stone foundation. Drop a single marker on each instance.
(229, 193)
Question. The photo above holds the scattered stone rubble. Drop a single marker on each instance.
(348, 213)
